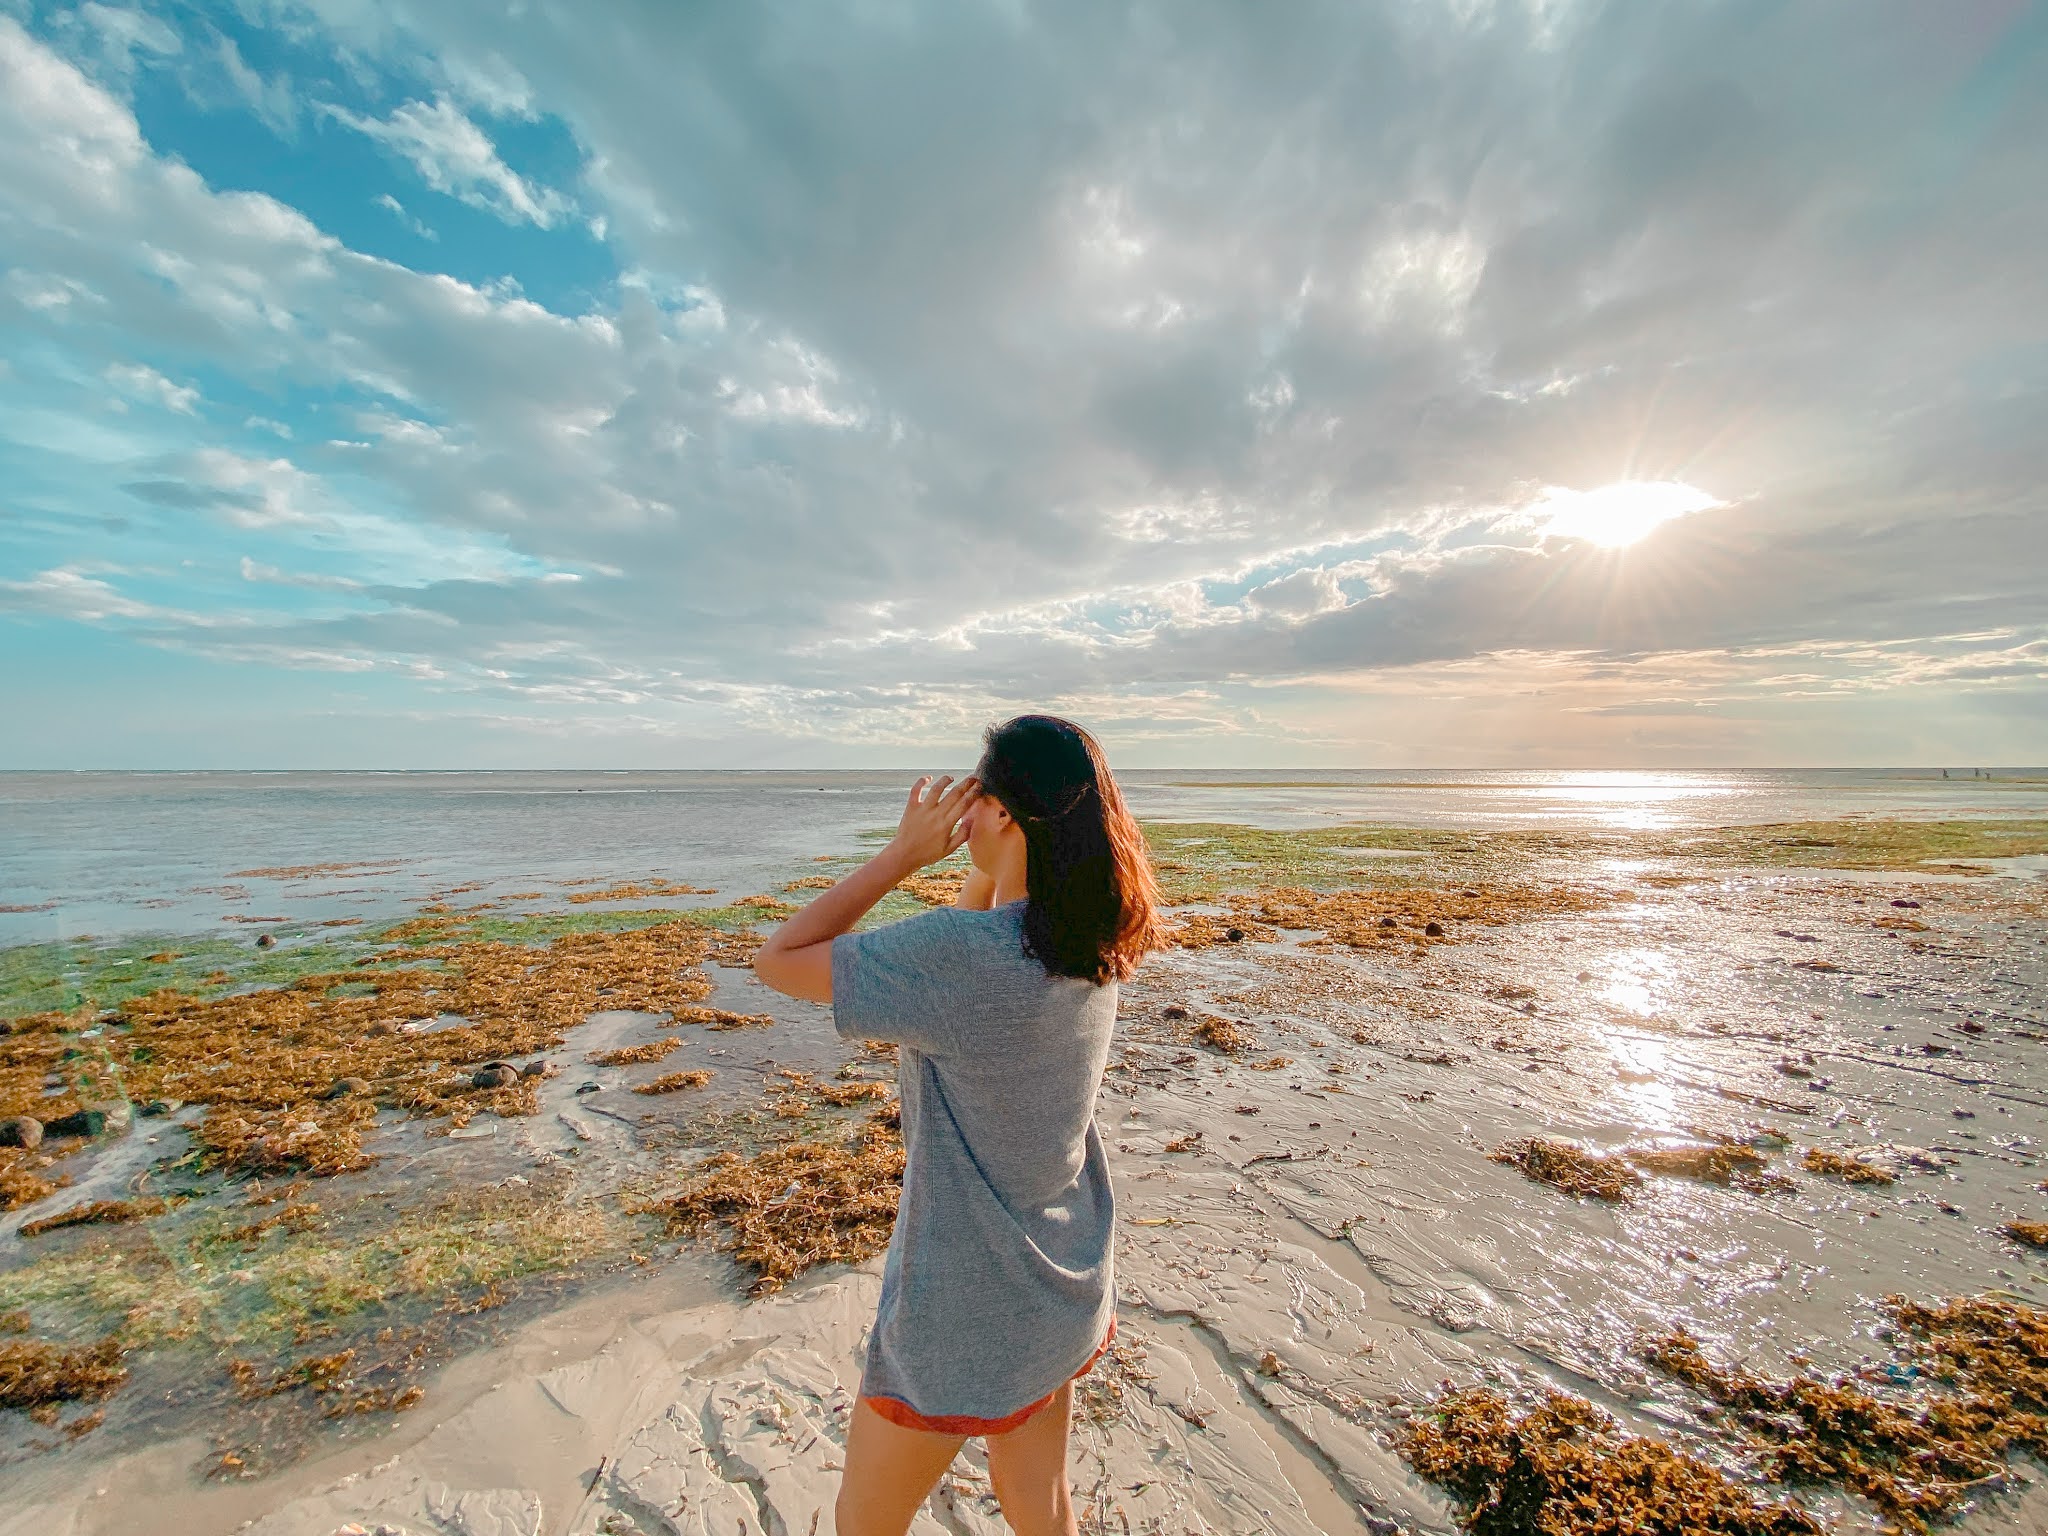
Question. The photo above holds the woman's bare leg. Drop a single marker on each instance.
(889, 1471)
(1029, 1468)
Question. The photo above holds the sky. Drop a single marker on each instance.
(1494, 383)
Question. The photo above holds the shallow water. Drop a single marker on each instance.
(116, 853)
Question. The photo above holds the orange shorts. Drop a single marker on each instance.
(896, 1411)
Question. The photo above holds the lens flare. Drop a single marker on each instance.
(1615, 516)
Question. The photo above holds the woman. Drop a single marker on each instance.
(998, 1287)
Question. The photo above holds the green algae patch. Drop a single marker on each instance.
(1898, 845)
(221, 1277)
(1200, 859)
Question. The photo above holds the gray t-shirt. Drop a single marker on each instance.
(999, 1282)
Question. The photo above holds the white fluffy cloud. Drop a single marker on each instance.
(454, 156)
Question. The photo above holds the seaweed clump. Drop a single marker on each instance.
(263, 1062)
(1918, 1462)
(1204, 930)
(20, 1184)
(1570, 1168)
(634, 1055)
(1838, 1165)
(789, 1208)
(1564, 1468)
(674, 1082)
(1410, 917)
(640, 890)
(934, 887)
(1223, 1036)
(2033, 1233)
(1743, 1167)
(37, 1375)
(94, 1213)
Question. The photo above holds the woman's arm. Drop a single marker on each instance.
(797, 957)
(979, 893)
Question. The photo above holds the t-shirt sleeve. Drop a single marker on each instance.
(899, 982)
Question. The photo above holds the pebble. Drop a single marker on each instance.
(1433, 930)
(21, 1131)
(539, 1067)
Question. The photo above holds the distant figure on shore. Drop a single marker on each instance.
(998, 1289)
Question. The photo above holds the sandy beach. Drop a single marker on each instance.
(1654, 1120)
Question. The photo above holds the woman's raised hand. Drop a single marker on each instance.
(934, 819)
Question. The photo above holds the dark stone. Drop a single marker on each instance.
(344, 1087)
(1388, 922)
(265, 940)
(539, 1067)
(21, 1131)
(80, 1122)
(157, 1107)
(1234, 935)
(1173, 1011)
(1434, 930)
(1905, 903)
(583, 1088)
(494, 1074)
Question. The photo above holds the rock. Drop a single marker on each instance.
(1388, 922)
(21, 1131)
(1233, 935)
(265, 940)
(1434, 930)
(1173, 1011)
(1905, 903)
(80, 1122)
(583, 1088)
(539, 1067)
(494, 1074)
(345, 1087)
(157, 1107)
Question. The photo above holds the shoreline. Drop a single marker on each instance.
(1304, 1291)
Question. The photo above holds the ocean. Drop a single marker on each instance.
(123, 853)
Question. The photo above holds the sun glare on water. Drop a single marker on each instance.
(1614, 516)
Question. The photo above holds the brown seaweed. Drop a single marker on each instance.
(1570, 1168)
(1564, 1468)
(1916, 1460)
(673, 1082)
(788, 1208)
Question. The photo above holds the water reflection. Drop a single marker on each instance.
(1638, 983)
(1626, 802)
(1638, 979)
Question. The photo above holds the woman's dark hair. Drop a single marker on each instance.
(1091, 905)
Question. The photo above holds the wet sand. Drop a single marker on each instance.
(1315, 1237)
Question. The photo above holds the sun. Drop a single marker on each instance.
(1615, 516)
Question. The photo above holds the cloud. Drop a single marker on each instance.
(1236, 371)
(397, 209)
(453, 155)
(144, 383)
